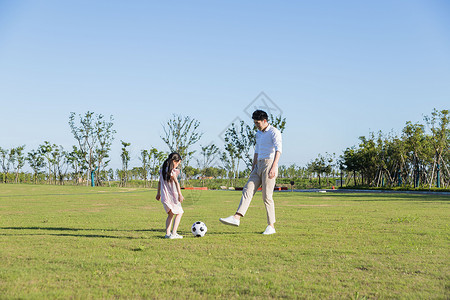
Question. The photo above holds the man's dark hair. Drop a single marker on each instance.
(259, 115)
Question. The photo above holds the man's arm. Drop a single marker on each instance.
(274, 169)
(255, 160)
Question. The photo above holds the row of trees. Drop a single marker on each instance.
(90, 157)
(416, 158)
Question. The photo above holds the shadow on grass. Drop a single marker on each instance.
(162, 231)
(78, 229)
(72, 194)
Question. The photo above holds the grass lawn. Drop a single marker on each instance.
(82, 242)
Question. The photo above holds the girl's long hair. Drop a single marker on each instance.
(167, 166)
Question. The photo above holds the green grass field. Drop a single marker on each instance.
(82, 242)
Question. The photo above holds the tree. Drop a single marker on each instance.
(125, 160)
(75, 159)
(105, 136)
(191, 172)
(46, 150)
(438, 123)
(351, 162)
(278, 122)
(155, 161)
(238, 141)
(59, 161)
(321, 165)
(145, 165)
(36, 161)
(180, 133)
(94, 136)
(208, 155)
(230, 161)
(110, 174)
(415, 146)
(291, 171)
(6, 158)
(413, 159)
(18, 160)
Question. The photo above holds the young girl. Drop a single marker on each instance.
(169, 193)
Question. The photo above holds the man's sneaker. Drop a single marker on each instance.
(167, 236)
(230, 221)
(269, 230)
(175, 236)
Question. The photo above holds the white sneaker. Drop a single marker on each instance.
(230, 221)
(269, 230)
(167, 236)
(175, 236)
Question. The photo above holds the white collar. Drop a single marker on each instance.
(267, 128)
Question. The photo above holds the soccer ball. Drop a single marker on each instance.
(199, 229)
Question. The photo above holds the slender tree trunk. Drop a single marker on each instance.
(430, 181)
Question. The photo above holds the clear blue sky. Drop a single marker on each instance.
(337, 69)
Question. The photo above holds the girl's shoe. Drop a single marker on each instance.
(175, 236)
(167, 236)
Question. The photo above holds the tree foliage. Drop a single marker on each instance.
(180, 133)
(414, 158)
(125, 156)
(94, 135)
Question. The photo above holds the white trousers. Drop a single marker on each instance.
(260, 177)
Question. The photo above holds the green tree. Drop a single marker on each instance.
(321, 165)
(125, 156)
(180, 133)
(6, 158)
(278, 122)
(46, 150)
(230, 161)
(191, 172)
(59, 163)
(237, 146)
(438, 123)
(18, 161)
(94, 136)
(416, 147)
(145, 165)
(412, 159)
(155, 161)
(208, 154)
(105, 136)
(76, 160)
(36, 161)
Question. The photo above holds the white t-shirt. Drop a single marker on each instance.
(268, 142)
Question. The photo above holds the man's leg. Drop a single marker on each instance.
(268, 184)
(253, 183)
(249, 190)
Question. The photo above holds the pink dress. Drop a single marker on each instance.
(169, 194)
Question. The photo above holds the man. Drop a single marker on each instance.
(264, 172)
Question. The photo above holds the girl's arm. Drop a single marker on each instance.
(180, 196)
(158, 195)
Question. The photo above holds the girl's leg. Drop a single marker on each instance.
(169, 222)
(176, 223)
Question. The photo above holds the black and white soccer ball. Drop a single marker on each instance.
(199, 229)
